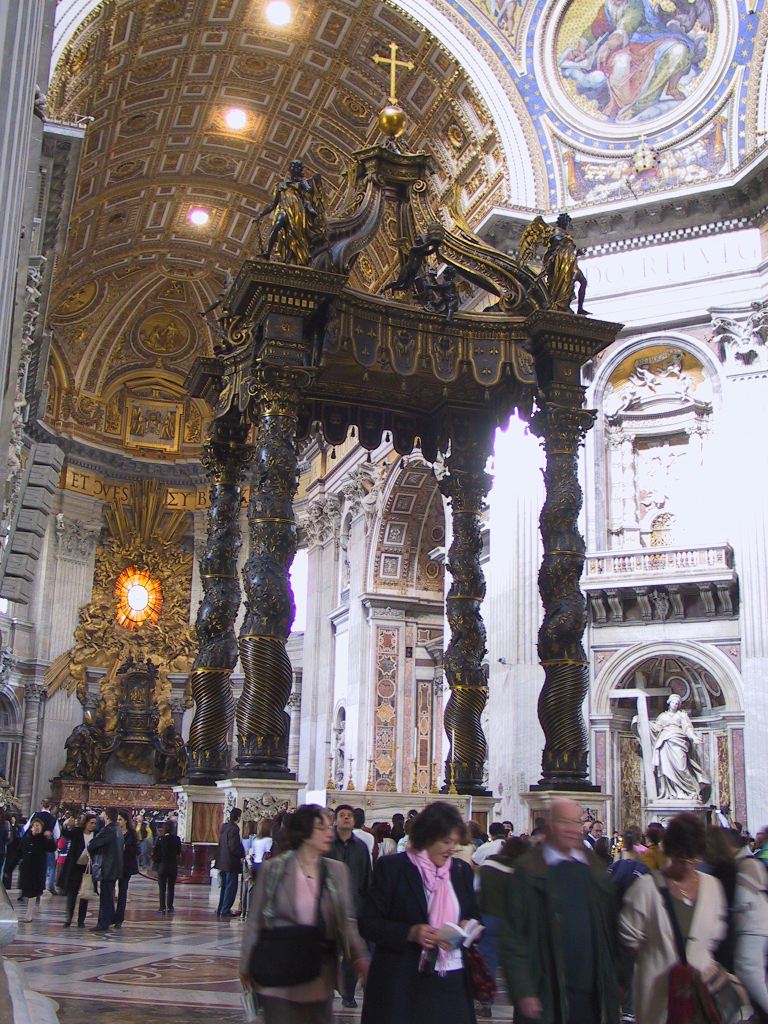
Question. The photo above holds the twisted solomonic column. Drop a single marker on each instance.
(465, 485)
(224, 457)
(262, 721)
(566, 674)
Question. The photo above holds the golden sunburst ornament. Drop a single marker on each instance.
(139, 598)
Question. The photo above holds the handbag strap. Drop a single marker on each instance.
(667, 899)
(320, 887)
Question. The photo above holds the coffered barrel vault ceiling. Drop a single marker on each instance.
(157, 79)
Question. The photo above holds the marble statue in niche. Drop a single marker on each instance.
(677, 768)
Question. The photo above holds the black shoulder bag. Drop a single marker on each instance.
(290, 954)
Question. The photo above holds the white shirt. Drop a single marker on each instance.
(367, 838)
(553, 856)
(259, 847)
(482, 853)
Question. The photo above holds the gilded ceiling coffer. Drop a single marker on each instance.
(224, 458)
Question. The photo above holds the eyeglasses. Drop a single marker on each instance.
(323, 828)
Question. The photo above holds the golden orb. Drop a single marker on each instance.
(392, 121)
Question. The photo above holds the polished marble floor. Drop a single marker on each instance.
(174, 963)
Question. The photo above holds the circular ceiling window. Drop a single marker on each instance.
(139, 598)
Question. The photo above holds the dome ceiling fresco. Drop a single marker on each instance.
(598, 77)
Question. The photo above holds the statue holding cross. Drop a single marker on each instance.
(670, 750)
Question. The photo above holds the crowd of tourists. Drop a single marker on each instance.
(89, 858)
(670, 927)
(417, 916)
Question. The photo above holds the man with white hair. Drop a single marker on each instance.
(559, 943)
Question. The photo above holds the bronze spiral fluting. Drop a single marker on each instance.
(261, 719)
(465, 763)
(560, 701)
(208, 736)
(465, 485)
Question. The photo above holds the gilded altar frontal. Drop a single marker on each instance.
(381, 412)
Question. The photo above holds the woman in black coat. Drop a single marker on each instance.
(76, 878)
(412, 979)
(35, 845)
(130, 863)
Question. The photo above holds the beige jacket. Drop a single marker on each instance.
(645, 929)
(338, 912)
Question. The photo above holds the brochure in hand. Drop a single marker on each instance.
(457, 936)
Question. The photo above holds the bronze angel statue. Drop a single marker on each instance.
(560, 269)
(298, 217)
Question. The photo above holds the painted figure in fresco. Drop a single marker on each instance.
(506, 13)
(634, 59)
(297, 216)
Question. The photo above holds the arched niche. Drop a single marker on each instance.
(410, 527)
(709, 686)
(11, 725)
(652, 446)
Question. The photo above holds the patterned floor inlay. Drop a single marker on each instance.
(162, 966)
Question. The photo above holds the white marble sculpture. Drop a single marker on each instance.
(677, 770)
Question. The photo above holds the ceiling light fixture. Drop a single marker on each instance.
(199, 217)
(278, 13)
(236, 119)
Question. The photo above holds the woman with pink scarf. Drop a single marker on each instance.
(413, 976)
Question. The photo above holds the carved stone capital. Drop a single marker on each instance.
(742, 335)
(76, 541)
(322, 519)
(294, 701)
(34, 692)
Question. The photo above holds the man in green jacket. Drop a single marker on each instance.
(559, 944)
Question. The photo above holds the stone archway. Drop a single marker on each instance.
(710, 688)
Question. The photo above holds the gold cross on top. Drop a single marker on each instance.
(394, 64)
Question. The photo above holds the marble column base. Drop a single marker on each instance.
(381, 806)
(664, 810)
(200, 813)
(540, 801)
(258, 798)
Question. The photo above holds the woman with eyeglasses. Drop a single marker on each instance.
(413, 899)
(303, 888)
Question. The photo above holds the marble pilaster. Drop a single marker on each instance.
(317, 701)
(34, 694)
(513, 611)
